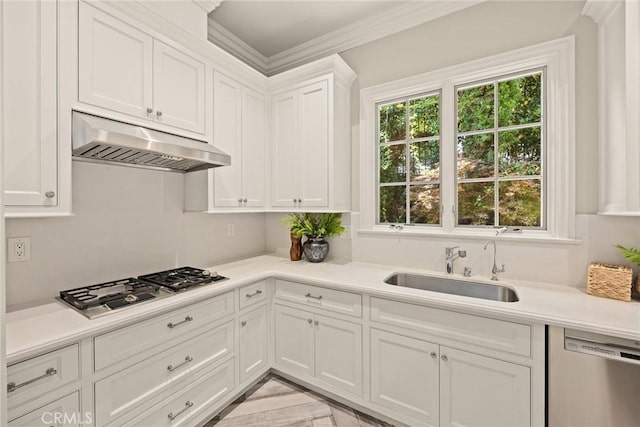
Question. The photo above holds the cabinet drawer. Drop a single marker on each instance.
(120, 344)
(159, 376)
(180, 408)
(490, 333)
(315, 296)
(252, 294)
(34, 377)
(64, 411)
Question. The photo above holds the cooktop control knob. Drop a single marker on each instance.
(207, 273)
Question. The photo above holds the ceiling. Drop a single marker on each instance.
(271, 27)
(273, 36)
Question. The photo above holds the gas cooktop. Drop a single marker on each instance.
(104, 298)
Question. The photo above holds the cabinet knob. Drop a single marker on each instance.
(295, 200)
(244, 200)
(444, 358)
(239, 200)
(310, 321)
(159, 113)
(299, 200)
(243, 323)
(149, 110)
(50, 194)
(433, 354)
(316, 323)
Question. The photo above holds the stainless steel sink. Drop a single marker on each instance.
(453, 286)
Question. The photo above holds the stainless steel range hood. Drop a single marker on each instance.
(97, 139)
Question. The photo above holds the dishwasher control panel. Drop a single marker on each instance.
(614, 348)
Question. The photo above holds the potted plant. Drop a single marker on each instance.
(316, 227)
(633, 256)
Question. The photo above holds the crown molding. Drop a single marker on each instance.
(600, 10)
(229, 42)
(365, 31)
(207, 5)
(353, 35)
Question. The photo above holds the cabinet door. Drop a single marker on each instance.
(29, 85)
(284, 167)
(405, 376)
(62, 412)
(480, 391)
(294, 340)
(178, 89)
(313, 155)
(227, 135)
(253, 343)
(115, 63)
(253, 148)
(339, 353)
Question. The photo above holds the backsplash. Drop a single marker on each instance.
(126, 222)
(560, 264)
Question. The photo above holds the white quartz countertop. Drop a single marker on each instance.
(34, 330)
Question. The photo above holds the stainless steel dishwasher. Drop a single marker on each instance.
(595, 383)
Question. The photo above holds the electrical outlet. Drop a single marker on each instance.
(231, 230)
(18, 249)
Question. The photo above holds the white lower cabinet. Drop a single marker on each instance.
(253, 355)
(482, 391)
(405, 376)
(437, 385)
(425, 367)
(157, 377)
(319, 346)
(62, 412)
(186, 406)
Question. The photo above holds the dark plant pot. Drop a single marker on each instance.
(315, 249)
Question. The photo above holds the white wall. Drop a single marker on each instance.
(126, 222)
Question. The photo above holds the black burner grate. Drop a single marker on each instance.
(117, 293)
(182, 278)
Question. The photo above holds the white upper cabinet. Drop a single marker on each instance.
(239, 128)
(619, 104)
(115, 67)
(178, 88)
(125, 70)
(29, 122)
(300, 147)
(310, 136)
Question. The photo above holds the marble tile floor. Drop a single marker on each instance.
(276, 402)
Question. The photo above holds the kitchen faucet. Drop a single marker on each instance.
(494, 270)
(451, 256)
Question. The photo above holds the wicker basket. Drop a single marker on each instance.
(610, 281)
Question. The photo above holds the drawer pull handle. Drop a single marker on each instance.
(187, 359)
(11, 387)
(319, 298)
(310, 321)
(173, 325)
(257, 292)
(243, 323)
(433, 354)
(444, 358)
(188, 404)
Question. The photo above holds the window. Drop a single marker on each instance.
(499, 162)
(409, 161)
(462, 150)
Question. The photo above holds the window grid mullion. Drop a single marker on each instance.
(407, 175)
(496, 155)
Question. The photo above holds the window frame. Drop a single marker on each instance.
(407, 144)
(557, 57)
(495, 130)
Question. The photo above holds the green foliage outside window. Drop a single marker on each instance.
(499, 156)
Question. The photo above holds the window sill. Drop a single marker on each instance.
(524, 237)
